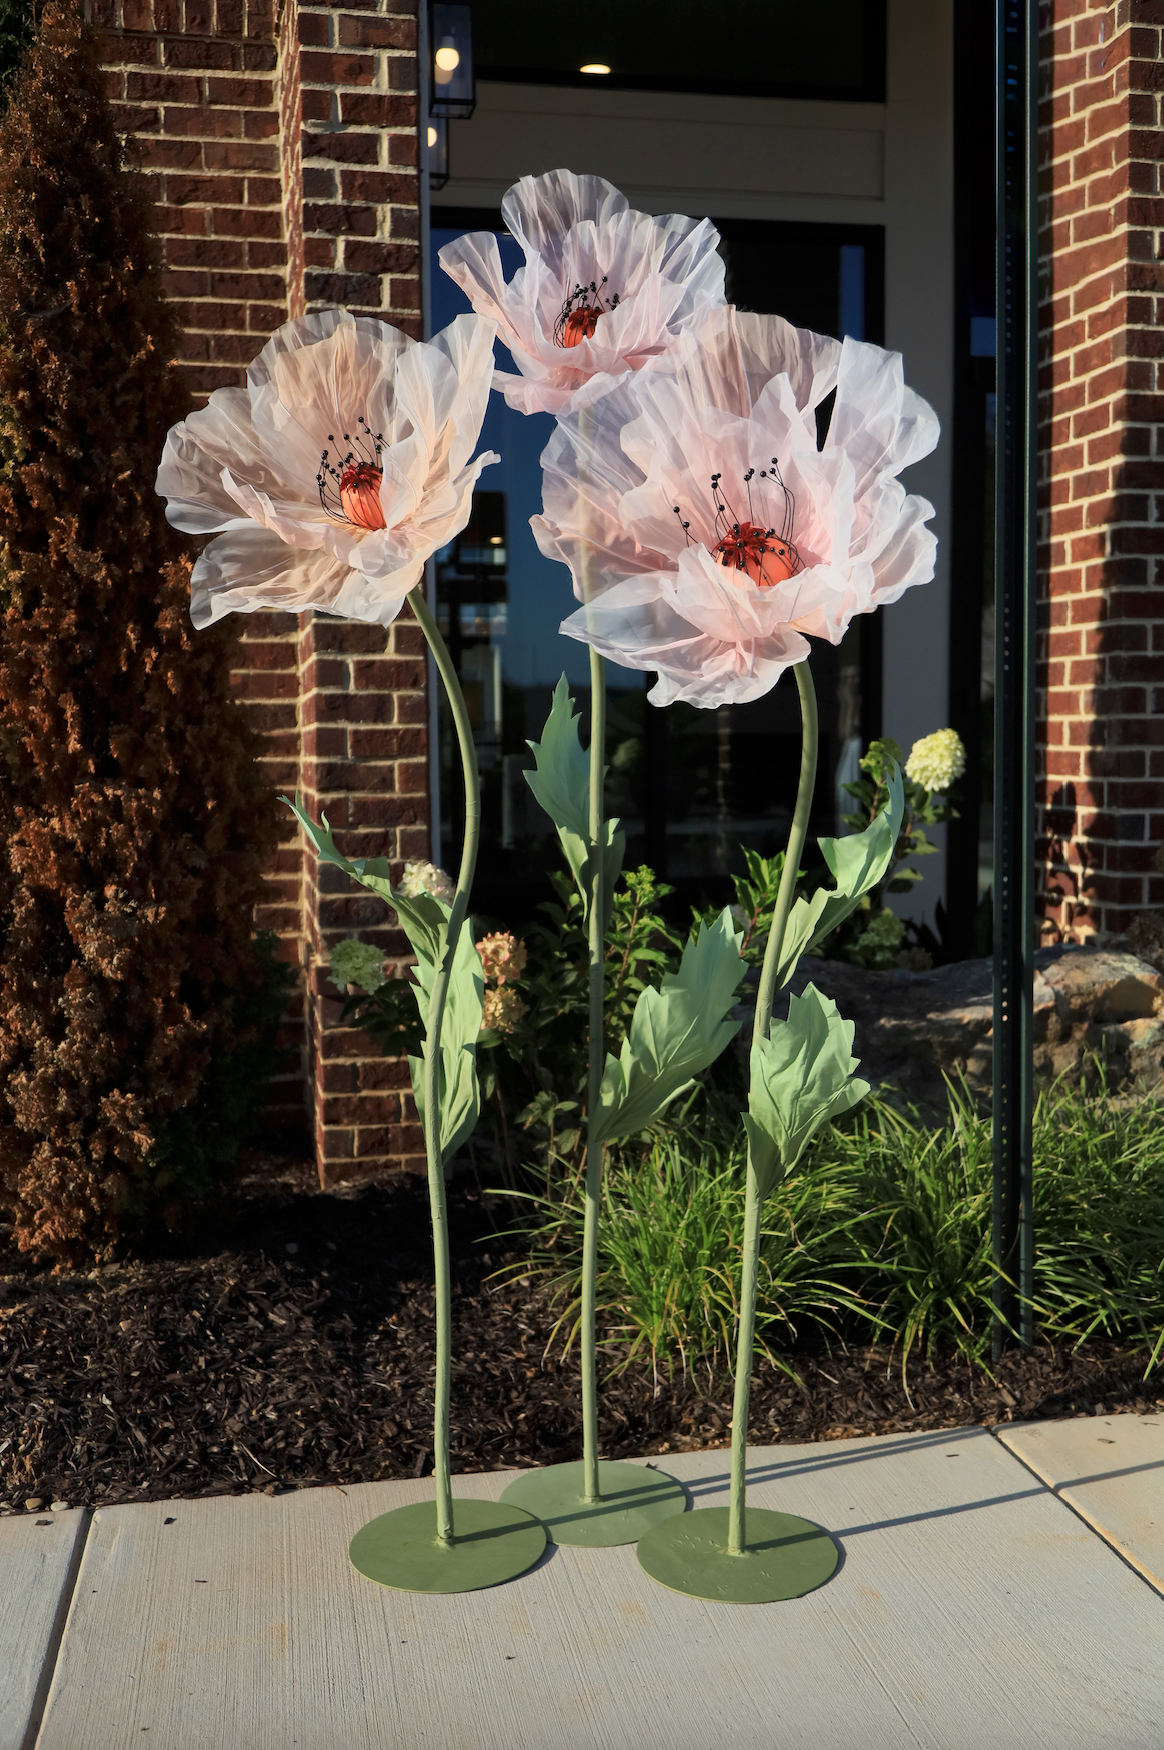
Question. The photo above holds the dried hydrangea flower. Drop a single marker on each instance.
(503, 957)
(421, 877)
(502, 1010)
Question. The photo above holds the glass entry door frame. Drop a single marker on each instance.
(692, 787)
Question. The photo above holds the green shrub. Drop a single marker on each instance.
(884, 1232)
(922, 1244)
(670, 1243)
(135, 823)
(1099, 1218)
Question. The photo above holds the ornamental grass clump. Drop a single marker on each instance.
(135, 822)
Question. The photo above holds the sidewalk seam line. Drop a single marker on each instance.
(1104, 1538)
(53, 1646)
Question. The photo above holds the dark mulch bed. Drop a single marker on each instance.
(295, 1347)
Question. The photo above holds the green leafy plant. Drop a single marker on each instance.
(873, 935)
(670, 1245)
(755, 902)
(388, 1015)
(881, 1229)
(924, 1247)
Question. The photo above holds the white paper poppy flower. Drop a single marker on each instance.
(334, 474)
(707, 533)
(604, 290)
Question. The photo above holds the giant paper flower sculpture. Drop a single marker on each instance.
(333, 475)
(604, 290)
(707, 534)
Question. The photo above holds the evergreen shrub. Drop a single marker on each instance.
(134, 819)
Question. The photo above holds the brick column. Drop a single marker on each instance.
(363, 709)
(1101, 655)
(192, 81)
(289, 94)
(361, 218)
(362, 698)
(283, 151)
(193, 84)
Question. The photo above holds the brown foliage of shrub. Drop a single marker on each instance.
(134, 819)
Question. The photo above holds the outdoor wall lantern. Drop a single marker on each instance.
(454, 95)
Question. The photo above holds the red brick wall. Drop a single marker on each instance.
(193, 81)
(357, 68)
(363, 709)
(1101, 655)
(361, 693)
(289, 96)
(282, 146)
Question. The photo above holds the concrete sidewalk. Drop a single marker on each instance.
(986, 1596)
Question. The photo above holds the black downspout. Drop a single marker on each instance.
(1014, 724)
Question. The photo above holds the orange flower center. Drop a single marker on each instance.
(349, 485)
(578, 317)
(766, 556)
(359, 492)
(760, 552)
(579, 326)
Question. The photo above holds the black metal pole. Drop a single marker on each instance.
(1014, 718)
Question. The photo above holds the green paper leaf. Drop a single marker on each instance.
(459, 1093)
(802, 1075)
(675, 1032)
(858, 863)
(425, 921)
(561, 784)
(423, 918)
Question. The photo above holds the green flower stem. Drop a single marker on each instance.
(594, 1151)
(737, 1532)
(432, 1049)
(597, 959)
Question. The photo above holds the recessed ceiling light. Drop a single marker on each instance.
(594, 67)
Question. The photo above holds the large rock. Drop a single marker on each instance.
(914, 1028)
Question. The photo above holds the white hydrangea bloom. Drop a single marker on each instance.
(356, 962)
(936, 761)
(424, 877)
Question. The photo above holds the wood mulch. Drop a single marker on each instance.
(294, 1347)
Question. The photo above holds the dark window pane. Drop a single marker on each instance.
(771, 48)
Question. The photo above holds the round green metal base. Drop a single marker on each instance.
(785, 1557)
(491, 1544)
(632, 1500)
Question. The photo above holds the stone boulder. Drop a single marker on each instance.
(914, 1028)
